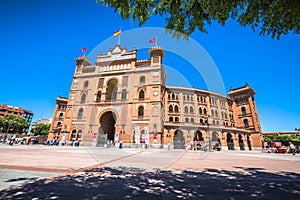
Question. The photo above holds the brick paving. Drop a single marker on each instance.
(50, 172)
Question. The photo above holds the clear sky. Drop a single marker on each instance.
(40, 39)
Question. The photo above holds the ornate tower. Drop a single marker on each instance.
(245, 112)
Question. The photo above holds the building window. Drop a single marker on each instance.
(86, 84)
(124, 94)
(200, 111)
(204, 111)
(83, 97)
(192, 120)
(191, 109)
(58, 123)
(170, 119)
(73, 135)
(176, 108)
(80, 113)
(99, 93)
(79, 134)
(243, 110)
(186, 109)
(170, 108)
(173, 96)
(246, 124)
(201, 121)
(61, 115)
(142, 79)
(186, 120)
(111, 91)
(176, 119)
(141, 112)
(141, 94)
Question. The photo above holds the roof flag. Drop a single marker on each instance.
(83, 50)
(118, 32)
(153, 40)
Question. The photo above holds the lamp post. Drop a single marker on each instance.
(208, 132)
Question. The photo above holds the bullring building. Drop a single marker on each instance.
(120, 98)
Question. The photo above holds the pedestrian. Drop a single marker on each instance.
(121, 144)
(291, 148)
(169, 146)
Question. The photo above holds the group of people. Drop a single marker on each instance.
(25, 140)
(111, 143)
(56, 142)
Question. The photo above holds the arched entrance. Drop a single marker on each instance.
(107, 127)
(230, 143)
(249, 142)
(178, 140)
(198, 136)
(241, 142)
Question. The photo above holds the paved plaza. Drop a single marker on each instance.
(57, 172)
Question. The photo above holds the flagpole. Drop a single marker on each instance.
(119, 38)
(156, 41)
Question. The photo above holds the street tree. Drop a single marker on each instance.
(41, 129)
(270, 17)
(13, 124)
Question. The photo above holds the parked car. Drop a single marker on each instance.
(282, 149)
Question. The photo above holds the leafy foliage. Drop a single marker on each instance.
(41, 129)
(271, 17)
(279, 138)
(12, 124)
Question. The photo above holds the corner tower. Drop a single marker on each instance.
(245, 111)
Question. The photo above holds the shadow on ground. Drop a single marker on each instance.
(133, 183)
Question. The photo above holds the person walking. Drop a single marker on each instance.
(169, 146)
(291, 148)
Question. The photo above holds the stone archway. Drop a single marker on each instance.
(178, 139)
(230, 143)
(241, 142)
(107, 127)
(249, 142)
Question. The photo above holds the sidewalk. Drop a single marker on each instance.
(99, 173)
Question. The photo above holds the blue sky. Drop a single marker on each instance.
(40, 39)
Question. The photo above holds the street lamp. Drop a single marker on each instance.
(206, 118)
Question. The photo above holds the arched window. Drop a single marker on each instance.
(186, 109)
(187, 120)
(124, 94)
(142, 79)
(112, 89)
(173, 96)
(58, 123)
(79, 134)
(176, 108)
(85, 84)
(191, 109)
(83, 97)
(141, 112)
(201, 121)
(188, 97)
(246, 124)
(200, 111)
(169, 96)
(204, 111)
(216, 113)
(99, 96)
(170, 119)
(80, 113)
(61, 115)
(170, 108)
(212, 112)
(141, 94)
(176, 119)
(243, 110)
(73, 135)
(192, 120)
